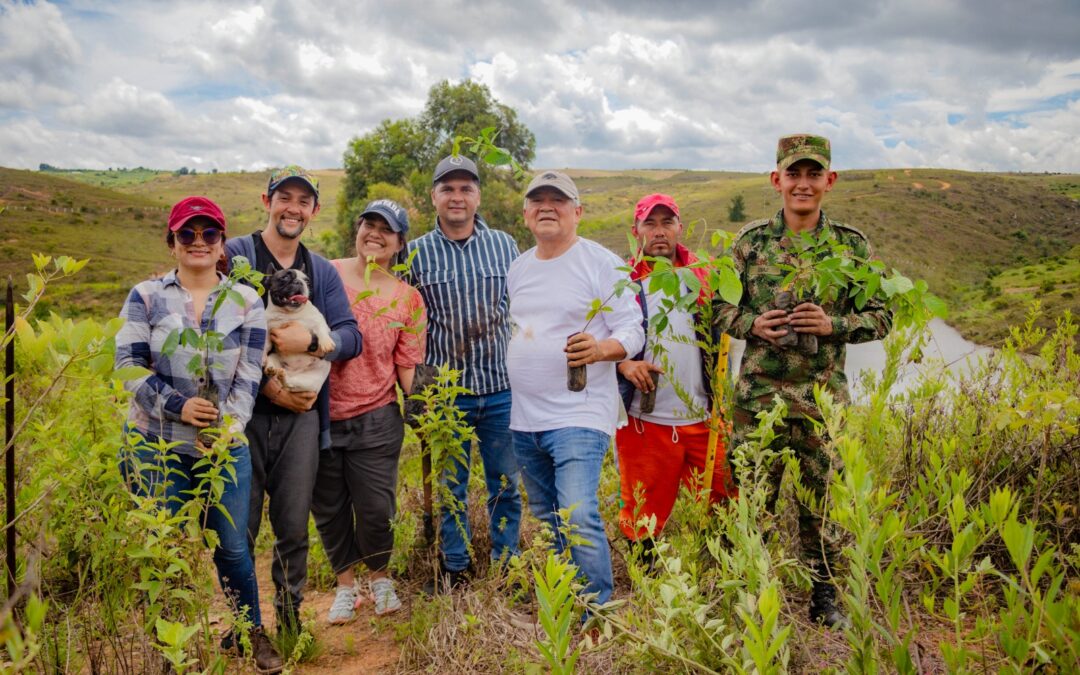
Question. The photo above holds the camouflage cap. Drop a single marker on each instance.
(791, 149)
(292, 172)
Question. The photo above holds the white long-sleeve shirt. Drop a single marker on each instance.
(548, 302)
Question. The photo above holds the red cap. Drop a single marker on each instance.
(650, 202)
(193, 207)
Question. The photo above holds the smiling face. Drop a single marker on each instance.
(290, 208)
(456, 199)
(659, 232)
(551, 216)
(803, 185)
(376, 239)
(197, 256)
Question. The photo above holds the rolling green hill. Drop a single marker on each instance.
(960, 231)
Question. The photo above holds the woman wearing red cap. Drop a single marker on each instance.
(171, 403)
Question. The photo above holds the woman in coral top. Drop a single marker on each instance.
(354, 498)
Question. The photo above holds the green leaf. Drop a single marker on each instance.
(1019, 540)
(896, 285)
(172, 341)
(129, 373)
(728, 285)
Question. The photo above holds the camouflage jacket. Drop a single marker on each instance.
(759, 249)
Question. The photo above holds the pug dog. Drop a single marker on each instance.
(289, 290)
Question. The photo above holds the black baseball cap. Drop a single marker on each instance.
(452, 163)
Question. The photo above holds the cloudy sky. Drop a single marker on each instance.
(970, 84)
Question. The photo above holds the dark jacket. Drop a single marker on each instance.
(329, 297)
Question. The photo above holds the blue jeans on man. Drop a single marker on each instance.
(235, 568)
(489, 416)
(560, 469)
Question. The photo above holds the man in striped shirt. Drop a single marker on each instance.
(460, 269)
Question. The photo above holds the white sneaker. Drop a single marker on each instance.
(386, 600)
(342, 609)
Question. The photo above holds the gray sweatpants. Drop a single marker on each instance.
(284, 460)
(355, 491)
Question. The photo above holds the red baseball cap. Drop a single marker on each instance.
(193, 207)
(650, 202)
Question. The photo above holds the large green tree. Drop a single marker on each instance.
(404, 152)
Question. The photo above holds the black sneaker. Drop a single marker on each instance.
(823, 607)
(645, 552)
(446, 581)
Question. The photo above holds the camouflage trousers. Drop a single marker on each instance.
(818, 540)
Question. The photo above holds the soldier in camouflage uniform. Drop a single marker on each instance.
(802, 177)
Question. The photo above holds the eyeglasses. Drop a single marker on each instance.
(187, 236)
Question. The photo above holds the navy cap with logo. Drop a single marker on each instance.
(452, 163)
(391, 212)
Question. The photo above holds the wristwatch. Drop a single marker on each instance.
(314, 346)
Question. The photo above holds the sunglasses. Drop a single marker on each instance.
(187, 236)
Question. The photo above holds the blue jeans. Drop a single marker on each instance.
(561, 468)
(235, 569)
(489, 415)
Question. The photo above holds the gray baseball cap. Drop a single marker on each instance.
(554, 179)
(452, 163)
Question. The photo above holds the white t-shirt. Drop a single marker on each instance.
(684, 365)
(548, 302)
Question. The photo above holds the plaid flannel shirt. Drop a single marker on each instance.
(152, 311)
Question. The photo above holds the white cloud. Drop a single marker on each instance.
(962, 84)
(39, 53)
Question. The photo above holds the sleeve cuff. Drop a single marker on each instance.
(174, 405)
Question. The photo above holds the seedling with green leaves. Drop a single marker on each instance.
(825, 270)
(211, 341)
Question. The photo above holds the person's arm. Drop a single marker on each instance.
(248, 376)
(623, 322)
(335, 307)
(152, 392)
(343, 328)
(409, 349)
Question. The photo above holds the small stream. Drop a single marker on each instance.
(945, 344)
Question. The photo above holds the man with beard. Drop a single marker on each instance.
(285, 432)
(666, 443)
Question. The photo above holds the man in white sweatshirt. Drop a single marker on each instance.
(561, 436)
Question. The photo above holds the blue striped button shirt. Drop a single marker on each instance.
(464, 290)
(152, 311)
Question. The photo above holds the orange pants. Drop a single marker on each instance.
(658, 458)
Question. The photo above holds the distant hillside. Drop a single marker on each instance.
(958, 230)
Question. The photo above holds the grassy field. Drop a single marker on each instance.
(1004, 299)
(109, 178)
(958, 230)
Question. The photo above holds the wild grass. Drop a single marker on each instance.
(957, 497)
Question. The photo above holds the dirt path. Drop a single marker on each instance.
(942, 184)
(366, 645)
